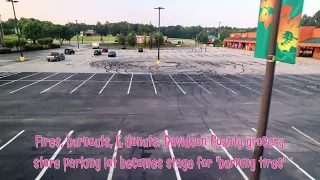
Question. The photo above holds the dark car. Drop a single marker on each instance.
(112, 53)
(97, 52)
(55, 56)
(123, 47)
(68, 51)
(140, 50)
(105, 50)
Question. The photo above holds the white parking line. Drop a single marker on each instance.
(242, 85)
(198, 84)
(130, 84)
(3, 146)
(18, 79)
(177, 84)
(305, 135)
(172, 156)
(298, 89)
(82, 83)
(58, 83)
(220, 84)
(9, 75)
(32, 83)
(111, 169)
(53, 157)
(155, 90)
(259, 84)
(106, 84)
(231, 158)
(296, 165)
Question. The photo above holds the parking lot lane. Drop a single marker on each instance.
(17, 76)
(39, 76)
(60, 76)
(81, 76)
(89, 88)
(64, 87)
(162, 78)
(94, 152)
(101, 77)
(16, 160)
(199, 78)
(139, 153)
(142, 77)
(121, 77)
(33, 90)
(6, 89)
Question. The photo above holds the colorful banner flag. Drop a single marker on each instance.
(288, 32)
(264, 28)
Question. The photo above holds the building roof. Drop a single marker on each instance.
(312, 41)
(212, 36)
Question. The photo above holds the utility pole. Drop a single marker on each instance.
(267, 90)
(77, 34)
(219, 30)
(158, 61)
(2, 34)
(17, 28)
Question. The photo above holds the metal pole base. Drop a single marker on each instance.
(21, 59)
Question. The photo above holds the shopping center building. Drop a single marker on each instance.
(308, 41)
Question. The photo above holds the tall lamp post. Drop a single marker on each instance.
(77, 34)
(2, 34)
(17, 28)
(158, 61)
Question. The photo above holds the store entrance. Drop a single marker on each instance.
(306, 52)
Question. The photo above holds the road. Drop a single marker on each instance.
(196, 94)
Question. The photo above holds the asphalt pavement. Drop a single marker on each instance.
(202, 99)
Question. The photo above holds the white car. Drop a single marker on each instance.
(95, 45)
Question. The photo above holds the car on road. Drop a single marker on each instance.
(68, 51)
(112, 53)
(123, 47)
(140, 50)
(95, 45)
(97, 53)
(55, 56)
(105, 50)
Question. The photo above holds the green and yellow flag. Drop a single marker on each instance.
(264, 28)
(288, 32)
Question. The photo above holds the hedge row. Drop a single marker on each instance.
(30, 47)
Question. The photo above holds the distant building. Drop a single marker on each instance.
(140, 39)
(88, 32)
(211, 38)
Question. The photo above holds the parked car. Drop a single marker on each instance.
(105, 50)
(97, 53)
(68, 51)
(112, 53)
(123, 47)
(95, 45)
(55, 56)
(140, 50)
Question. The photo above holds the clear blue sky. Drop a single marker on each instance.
(238, 13)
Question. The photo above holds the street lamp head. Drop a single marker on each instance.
(14, 1)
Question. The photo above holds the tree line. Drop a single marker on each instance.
(311, 20)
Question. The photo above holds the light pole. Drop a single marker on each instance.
(17, 28)
(158, 61)
(77, 34)
(2, 34)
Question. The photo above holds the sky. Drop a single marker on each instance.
(207, 13)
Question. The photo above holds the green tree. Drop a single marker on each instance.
(217, 43)
(41, 41)
(9, 44)
(158, 37)
(202, 37)
(131, 39)
(307, 20)
(121, 39)
(145, 41)
(23, 43)
(33, 30)
(65, 33)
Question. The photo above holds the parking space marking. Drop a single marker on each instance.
(9, 75)
(260, 84)
(106, 83)
(296, 165)
(198, 84)
(53, 157)
(231, 158)
(220, 84)
(33, 83)
(305, 135)
(18, 79)
(130, 84)
(242, 85)
(177, 84)
(155, 90)
(298, 89)
(111, 169)
(58, 83)
(82, 83)
(176, 170)
(3, 146)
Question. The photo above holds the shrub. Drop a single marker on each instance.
(23, 43)
(54, 46)
(9, 44)
(48, 41)
(41, 41)
(5, 51)
(33, 47)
